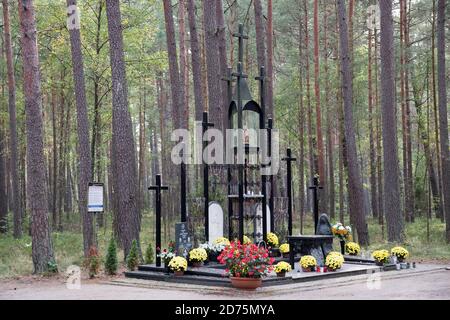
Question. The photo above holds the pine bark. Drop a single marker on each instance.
(42, 248)
(260, 31)
(391, 188)
(124, 152)
(212, 64)
(177, 90)
(270, 60)
(196, 62)
(14, 158)
(84, 156)
(355, 187)
(443, 120)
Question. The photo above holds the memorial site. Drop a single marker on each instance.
(224, 150)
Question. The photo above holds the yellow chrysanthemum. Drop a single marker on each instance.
(223, 241)
(283, 267)
(334, 260)
(284, 248)
(272, 239)
(198, 255)
(178, 264)
(381, 255)
(352, 248)
(400, 252)
(308, 262)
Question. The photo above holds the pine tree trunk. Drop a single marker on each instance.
(42, 248)
(373, 155)
(320, 146)
(301, 126)
(84, 156)
(212, 64)
(124, 152)
(222, 47)
(391, 188)
(355, 187)
(3, 196)
(443, 120)
(184, 67)
(270, 60)
(17, 206)
(196, 62)
(177, 90)
(260, 31)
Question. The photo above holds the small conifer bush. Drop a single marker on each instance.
(149, 254)
(133, 258)
(111, 263)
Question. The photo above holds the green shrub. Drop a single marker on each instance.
(52, 267)
(111, 263)
(133, 258)
(149, 254)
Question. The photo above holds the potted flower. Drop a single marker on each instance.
(334, 261)
(198, 256)
(222, 240)
(166, 256)
(178, 265)
(284, 248)
(401, 253)
(343, 233)
(308, 263)
(352, 248)
(381, 257)
(247, 240)
(273, 242)
(281, 268)
(246, 264)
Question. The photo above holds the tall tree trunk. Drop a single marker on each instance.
(260, 32)
(443, 120)
(311, 144)
(392, 208)
(184, 66)
(212, 63)
(270, 59)
(320, 146)
(84, 156)
(3, 196)
(42, 248)
(54, 172)
(373, 155)
(196, 62)
(177, 89)
(435, 110)
(301, 125)
(355, 187)
(14, 160)
(124, 156)
(222, 47)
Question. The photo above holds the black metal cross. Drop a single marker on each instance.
(289, 159)
(241, 36)
(205, 126)
(315, 188)
(158, 188)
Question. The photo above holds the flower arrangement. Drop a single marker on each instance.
(341, 231)
(334, 261)
(308, 263)
(352, 248)
(222, 241)
(272, 240)
(178, 264)
(282, 267)
(166, 255)
(400, 252)
(198, 255)
(381, 256)
(284, 248)
(247, 240)
(246, 260)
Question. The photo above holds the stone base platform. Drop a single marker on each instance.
(214, 274)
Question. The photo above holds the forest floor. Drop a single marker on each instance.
(427, 282)
(15, 255)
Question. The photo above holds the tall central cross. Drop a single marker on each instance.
(315, 188)
(241, 36)
(158, 188)
(205, 126)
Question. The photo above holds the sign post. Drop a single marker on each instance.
(95, 202)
